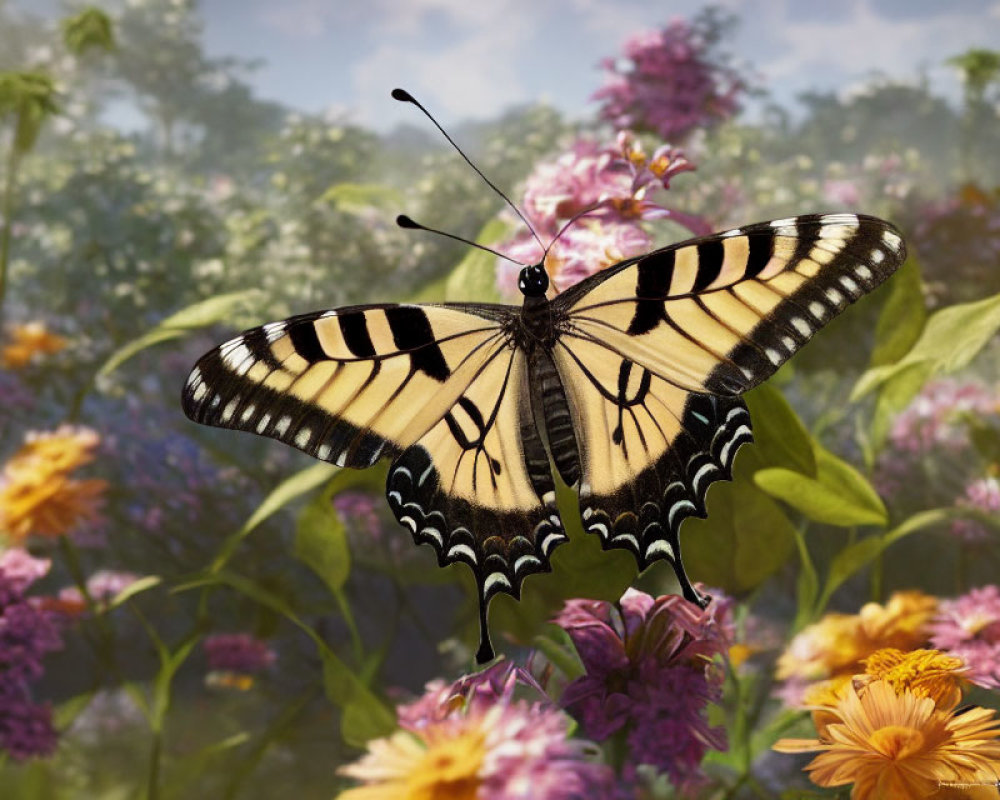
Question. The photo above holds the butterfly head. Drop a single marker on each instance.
(533, 281)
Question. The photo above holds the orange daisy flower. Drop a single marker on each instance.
(37, 494)
(27, 341)
(838, 643)
(925, 673)
(902, 746)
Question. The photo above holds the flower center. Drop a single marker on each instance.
(449, 770)
(897, 742)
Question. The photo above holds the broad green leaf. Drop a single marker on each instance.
(134, 588)
(951, 338)
(745, 539)
(321, 543)
(67, 711)
(836, 474)
(816, 500)
(354, 197)
(198, 315)
(902, 318)
(780, 438)
(475, 277)
(286, 491)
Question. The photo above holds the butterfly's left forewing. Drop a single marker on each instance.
(440, 388)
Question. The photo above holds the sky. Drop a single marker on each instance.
(472, 60)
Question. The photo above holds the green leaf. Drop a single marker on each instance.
(556, 645)
(815, 500)
(356, 197)
(836, 474)
(902, 318)
(894, 395)
(475, 277)
(807, 588)
(780, 438)
(134, 588)
(198, 315)
(745, 539)
(342, 685)
(321, 543)
(360, 722)
(950, 340)
(284, 493)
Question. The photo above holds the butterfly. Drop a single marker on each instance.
(627, 385)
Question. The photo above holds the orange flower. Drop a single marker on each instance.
(27, 341)
(37, 494)
(925, 673)
(902, 746)
(838, 643)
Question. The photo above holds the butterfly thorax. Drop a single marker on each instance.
(537, 326)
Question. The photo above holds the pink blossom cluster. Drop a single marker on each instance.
(668, 83)
(969, 627)
(589, 203)
(982, 494)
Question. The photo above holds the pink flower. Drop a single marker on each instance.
(650, 675)
(238, 653)
(473, 739)
(982, 494)
(934, 418)
(670, 82)
(589, 204)
(969, 627)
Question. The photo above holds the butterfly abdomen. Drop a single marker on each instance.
(552, 407)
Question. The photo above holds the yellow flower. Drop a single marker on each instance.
(925, 673)
(900, 623)
(838, 643)
(37, 494)
(443, 764)
(901, 746)
(27, 341)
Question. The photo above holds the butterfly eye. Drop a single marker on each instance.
(533, 281)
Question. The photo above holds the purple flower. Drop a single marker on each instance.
(670, 82)
(982, 494)
(238, 653)
(27, 633)
(969, 627)
(650, 675)
(26, 729)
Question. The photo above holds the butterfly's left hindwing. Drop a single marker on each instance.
(442, 389)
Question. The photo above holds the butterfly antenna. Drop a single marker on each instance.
(405, 97)
(404, 221)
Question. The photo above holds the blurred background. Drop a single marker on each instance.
(176, 171)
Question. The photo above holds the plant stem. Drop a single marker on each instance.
(153, 777)
(7, 210)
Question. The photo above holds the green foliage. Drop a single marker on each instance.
(951, 338)
(89, 29)
(30, 98)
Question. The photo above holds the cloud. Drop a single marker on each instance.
(461, 59)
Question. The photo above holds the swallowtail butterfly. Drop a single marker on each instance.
(628, 384)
